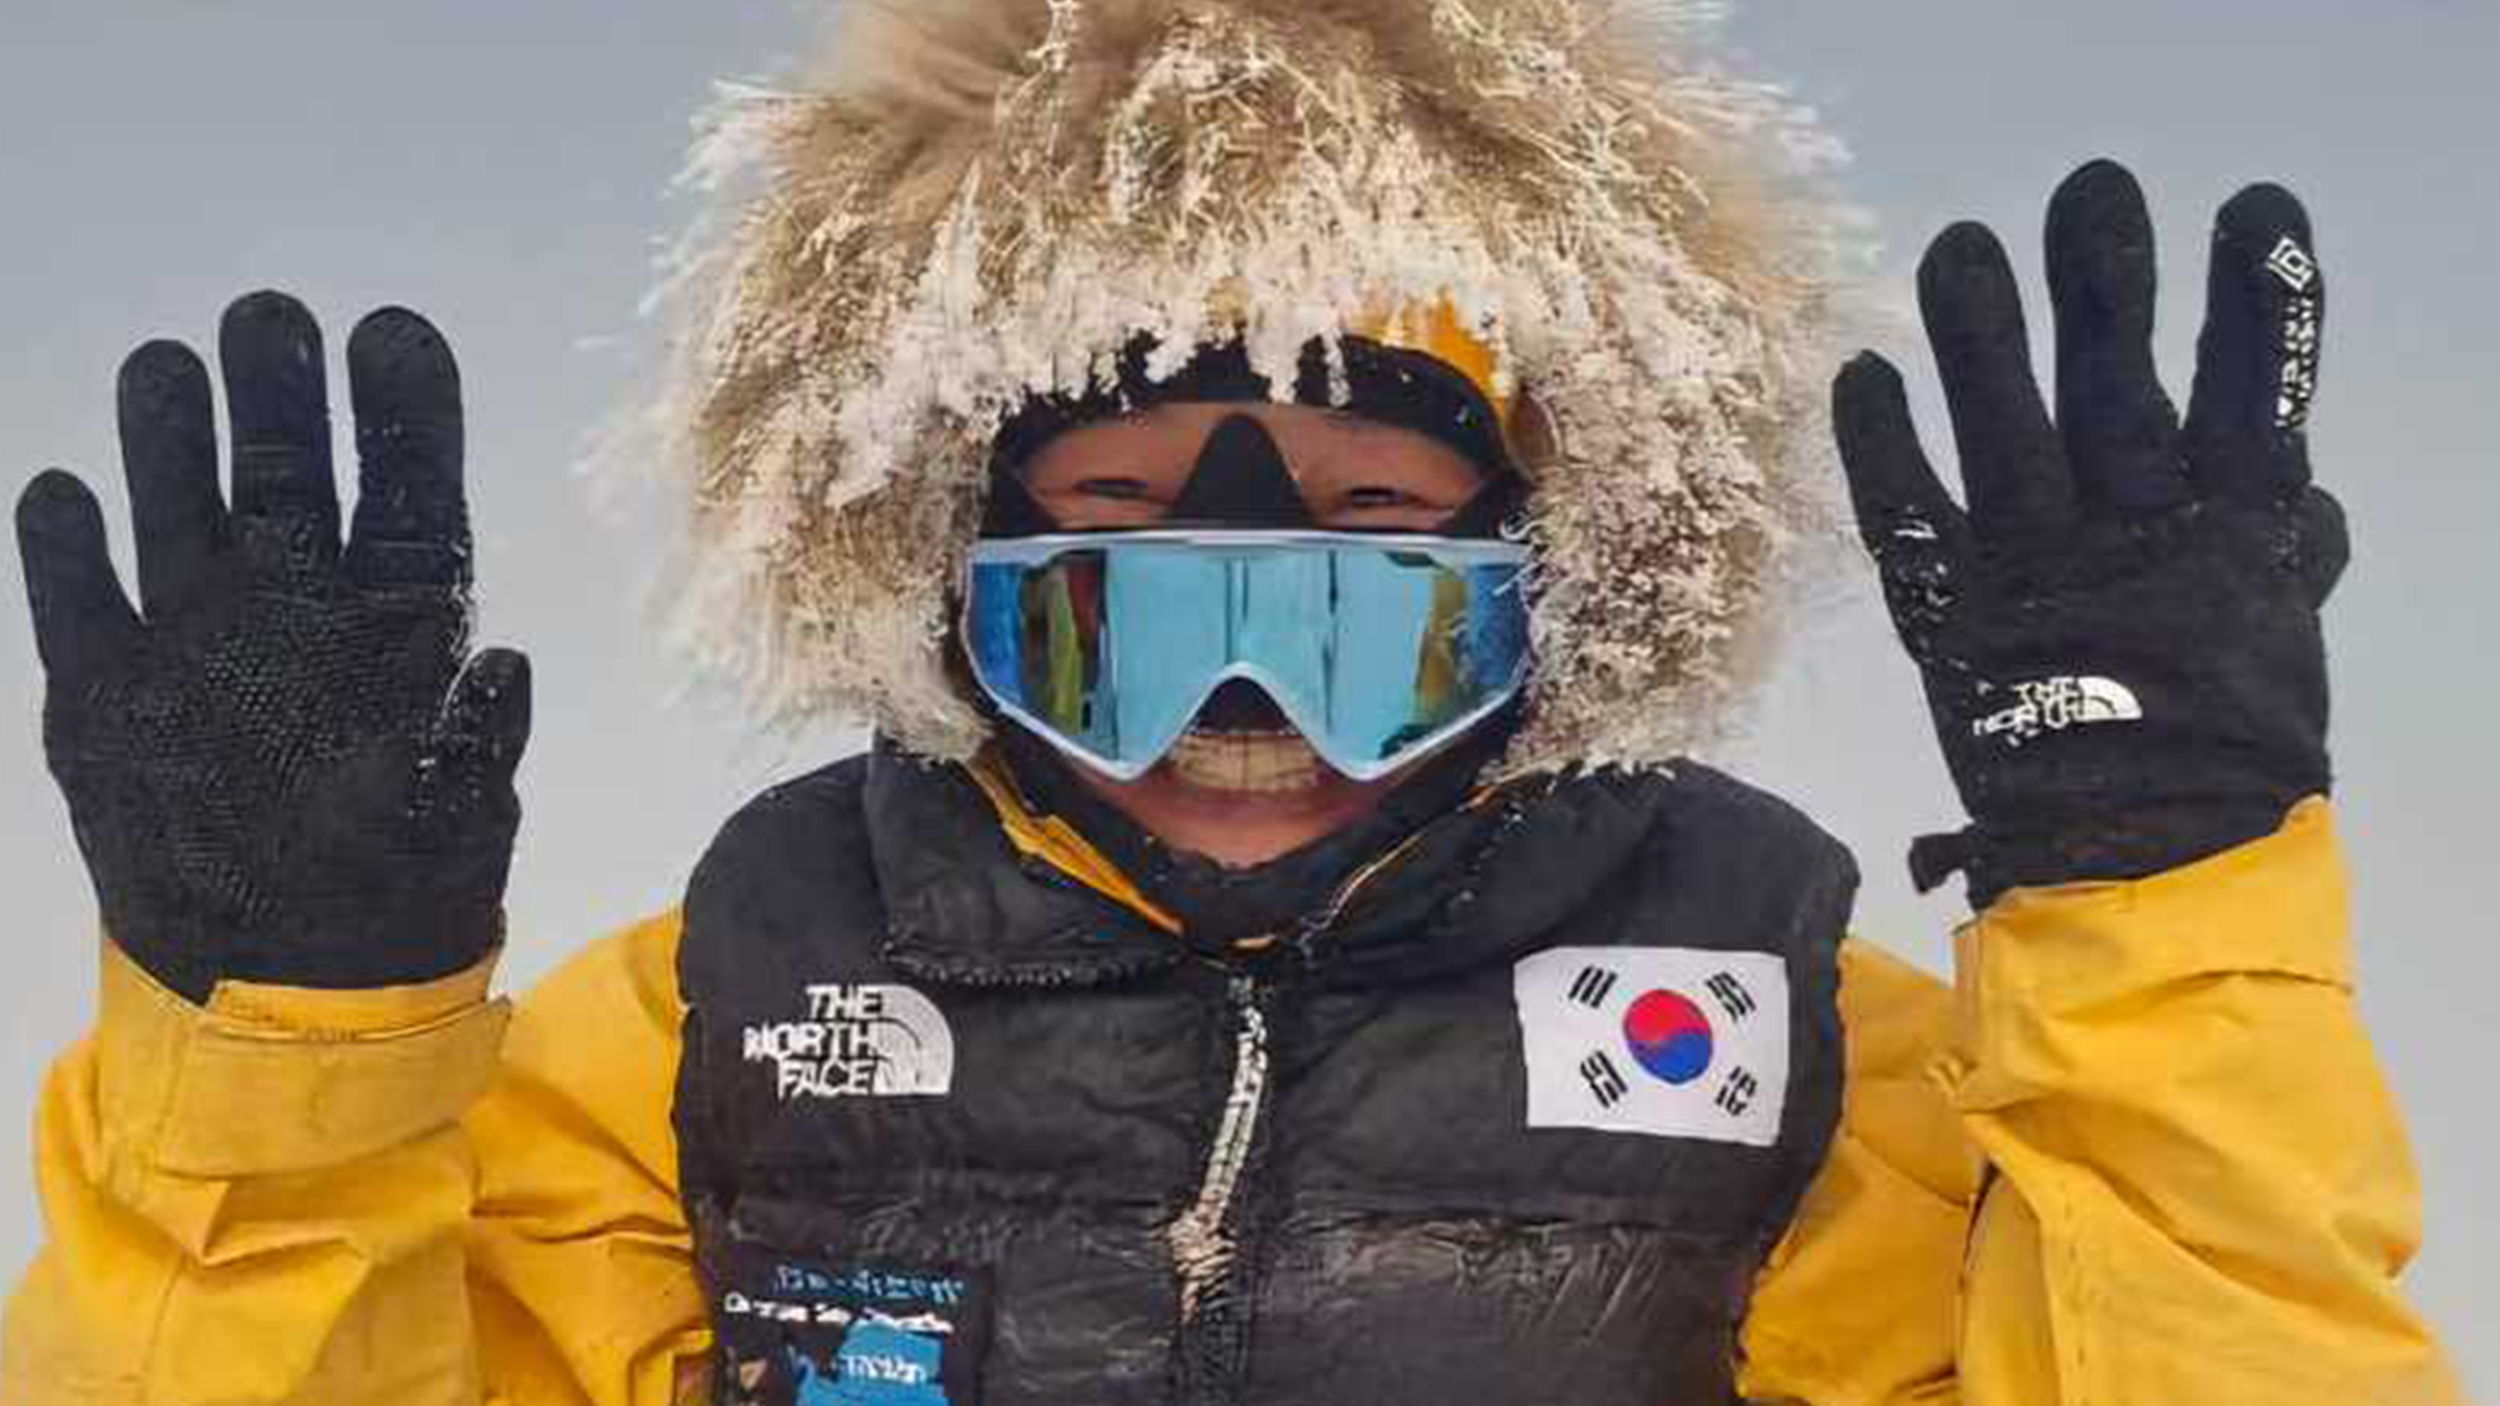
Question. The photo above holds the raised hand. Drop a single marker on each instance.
(2119, 633)
(283, 766)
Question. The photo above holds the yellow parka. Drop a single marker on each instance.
(2140, 1154)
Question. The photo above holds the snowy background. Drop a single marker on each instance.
(502, 166)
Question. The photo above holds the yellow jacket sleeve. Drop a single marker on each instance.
(408, 1197)
(2191, 1184)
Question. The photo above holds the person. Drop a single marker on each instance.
(1291, 484)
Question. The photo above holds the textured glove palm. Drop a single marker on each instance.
(288, 769)
(2120, 638)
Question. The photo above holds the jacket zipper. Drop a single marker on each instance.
(1213, 1348)
(1204, 1240)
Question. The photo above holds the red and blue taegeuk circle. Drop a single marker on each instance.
(1669, 1035)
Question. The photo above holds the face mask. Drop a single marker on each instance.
(1377, 648)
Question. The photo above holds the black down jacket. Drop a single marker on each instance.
(1514, 1120)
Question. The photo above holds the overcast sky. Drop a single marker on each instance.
(502, 167)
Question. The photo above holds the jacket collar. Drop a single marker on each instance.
(978, 896)
(981, 890)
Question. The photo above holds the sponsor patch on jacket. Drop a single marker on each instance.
(1660, 1041)
(807, 1333)
(859, 1041)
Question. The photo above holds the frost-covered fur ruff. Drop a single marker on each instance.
(974, 201)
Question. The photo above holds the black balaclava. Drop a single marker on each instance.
(1242, 481)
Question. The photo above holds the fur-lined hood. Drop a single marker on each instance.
(974, 202)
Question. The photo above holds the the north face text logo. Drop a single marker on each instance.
(857, 1041)
(2054, 705)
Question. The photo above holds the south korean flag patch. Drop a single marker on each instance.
(1658, 1041)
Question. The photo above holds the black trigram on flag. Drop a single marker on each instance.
(1731, 995)
(1604, 1080)
(1737, 1093)
(1591, 987)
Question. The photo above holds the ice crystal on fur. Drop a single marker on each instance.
(979, 201)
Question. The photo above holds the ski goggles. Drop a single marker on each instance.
(1376, 648)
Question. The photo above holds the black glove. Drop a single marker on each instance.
(283, 772)
(2120, 639)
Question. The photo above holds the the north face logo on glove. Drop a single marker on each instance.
(2054, 705)
(857, 1041)
(1661, 1041)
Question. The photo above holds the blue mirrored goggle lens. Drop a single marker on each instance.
(1374, 648)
